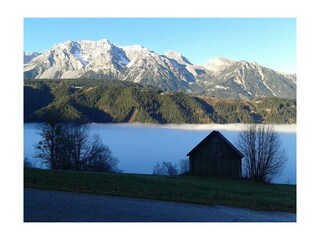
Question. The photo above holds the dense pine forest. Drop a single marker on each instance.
(107, 101)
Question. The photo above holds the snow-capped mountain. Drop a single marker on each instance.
(148, 68)
(241, 79)
(78, 59)
(171, 71)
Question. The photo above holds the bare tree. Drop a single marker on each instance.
(166, 168)
(68, 147)
(49, 147)
(184, 166)
(66, 153)
(79, 139)
(157, 169)
(264, 157)
(27, 163)
(99, 157)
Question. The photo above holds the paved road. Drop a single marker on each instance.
(54, 206)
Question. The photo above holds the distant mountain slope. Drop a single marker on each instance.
(27, 57)
(170, 72)
(249, 80)
(120, 101)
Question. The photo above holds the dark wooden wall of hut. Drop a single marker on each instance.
(215, 158)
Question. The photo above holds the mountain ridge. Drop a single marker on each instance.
(172, 71)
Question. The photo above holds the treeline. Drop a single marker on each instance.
(107, 101)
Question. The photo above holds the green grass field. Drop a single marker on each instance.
(191, 189)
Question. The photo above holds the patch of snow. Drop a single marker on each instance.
(138, 78)
(238, 80)
(85, 57)
(221, 87)
(260, 72)
(123, 61)
(218, 64)
(82, 58)
(130, 64)
(269, 89)
(133, 47)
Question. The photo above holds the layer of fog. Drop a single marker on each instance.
(140, 146)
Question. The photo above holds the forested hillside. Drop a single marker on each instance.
(105, 101)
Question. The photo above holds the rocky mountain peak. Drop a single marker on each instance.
(178, 57)
(170, 72)
(27, 57)
(218, 64)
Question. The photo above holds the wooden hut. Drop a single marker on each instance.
(215, 156)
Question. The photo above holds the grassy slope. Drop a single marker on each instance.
(192, 189)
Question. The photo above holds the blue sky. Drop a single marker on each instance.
(271, 42)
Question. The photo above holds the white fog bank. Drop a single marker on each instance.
(140, 146)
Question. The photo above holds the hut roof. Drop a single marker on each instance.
(212, 135)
